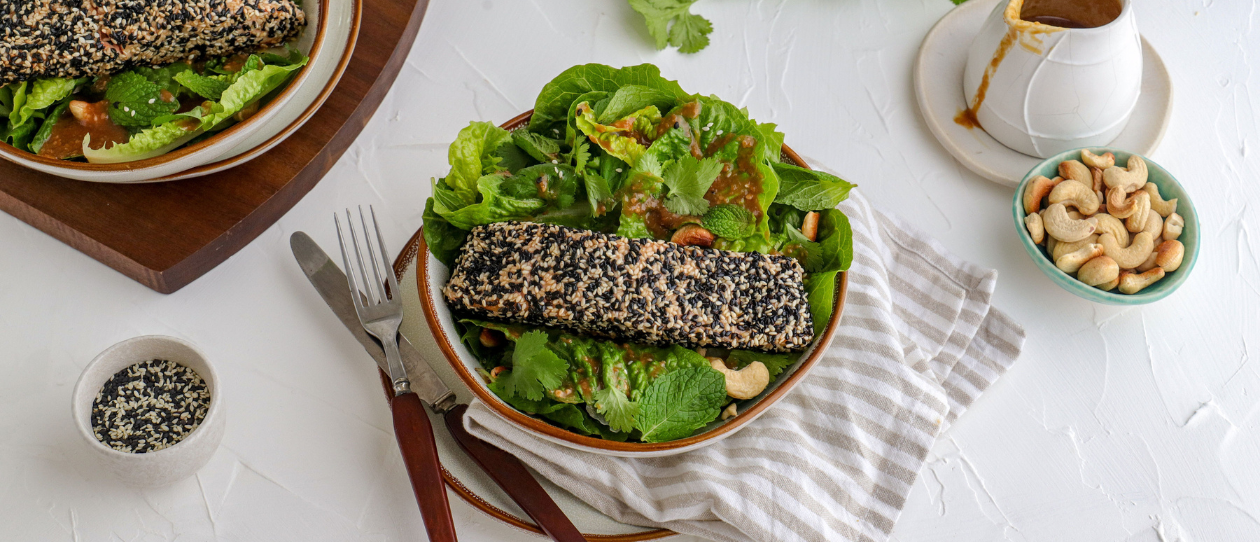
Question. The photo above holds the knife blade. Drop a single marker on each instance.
(330, 282)
(505, 469)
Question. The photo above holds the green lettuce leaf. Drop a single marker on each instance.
(33, 98)
(149, 143)
(497, 204)
(472, 155)
(540, 147)
(442, 238)
(631, 98)
(45, 129)
(208, 87)
(616, 138)
(250, 87)
(6, 99)
(821, 291)
(557, 97)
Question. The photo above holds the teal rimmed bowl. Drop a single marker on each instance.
(1168, 188)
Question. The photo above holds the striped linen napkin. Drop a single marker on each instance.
(835, 458)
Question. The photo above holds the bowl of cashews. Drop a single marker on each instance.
(1107, 225)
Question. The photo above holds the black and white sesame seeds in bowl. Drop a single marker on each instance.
(150, 409)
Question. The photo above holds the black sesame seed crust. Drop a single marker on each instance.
(77, 38)
(636, 290)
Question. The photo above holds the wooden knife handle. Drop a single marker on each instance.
(511, 475)
(419, 451)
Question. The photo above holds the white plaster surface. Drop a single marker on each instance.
(1118, 424)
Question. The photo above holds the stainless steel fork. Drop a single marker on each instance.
(380, 311)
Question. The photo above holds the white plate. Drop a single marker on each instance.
(938, 73)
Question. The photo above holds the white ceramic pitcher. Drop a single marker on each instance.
(1042, 89)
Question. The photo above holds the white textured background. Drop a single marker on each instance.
(1135, 424)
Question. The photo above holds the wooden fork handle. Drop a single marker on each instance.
(511, 475)
(419, 451)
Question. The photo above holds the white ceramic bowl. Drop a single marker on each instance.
(331, 29)
(168, 465)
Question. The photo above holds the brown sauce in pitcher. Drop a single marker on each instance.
(1071, 13)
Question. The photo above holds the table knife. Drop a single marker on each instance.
(505, 469)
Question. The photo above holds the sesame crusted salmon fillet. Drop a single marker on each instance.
(638, 290)
(78, 38)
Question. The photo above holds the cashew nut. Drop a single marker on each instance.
(1132, 283)
(1169, 255)
(693, 235)
(730, 411)
(1075, 194)
(1100, 161)
(491, 338)
(1149, 264)
(809, 226)
(1051, 244)
(1037, 189)
(1098, 182)
(1133, 255)
(1113, 225)
(1120, 204)
(1075, 171)
(1064, 228)
(1158, 203)
(1141, 210)
(745, 383)
(1130, 178)
(1066, 248)
(1154, 225)
(1035, 229)
(1072, 261)
(1173, 227)
(1098, 271)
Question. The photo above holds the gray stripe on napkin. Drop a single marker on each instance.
(835, 458)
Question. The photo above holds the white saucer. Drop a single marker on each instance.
(938, 72)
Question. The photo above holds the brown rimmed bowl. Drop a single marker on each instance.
(328, 41)
(432, 275)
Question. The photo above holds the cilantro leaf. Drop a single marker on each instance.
(730, 221)
(670, 22)
(135, 101)
(208, 87)
(690, 33)
(775, 363)
(677, 404)
(535, 368)
(618, 410)
(688, 179)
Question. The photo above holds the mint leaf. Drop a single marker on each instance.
(809, 190)
(135, 101)
(210, 88)
(688, 179)
(730, 221)
(670, 22)
(690, 33)
(677, 404)
(535, 368)
(616, 408)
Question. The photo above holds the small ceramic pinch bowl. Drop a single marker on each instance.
(168, 465)
(1169, 188)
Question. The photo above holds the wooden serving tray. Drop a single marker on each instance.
(166, 235)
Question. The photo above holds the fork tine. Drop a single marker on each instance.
(380, 239)
(345, 260)
(368, 289)
(367, 239)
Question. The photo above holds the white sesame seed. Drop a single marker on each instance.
(151, 100)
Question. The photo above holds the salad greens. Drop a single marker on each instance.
(627, 151)
(153, 109)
